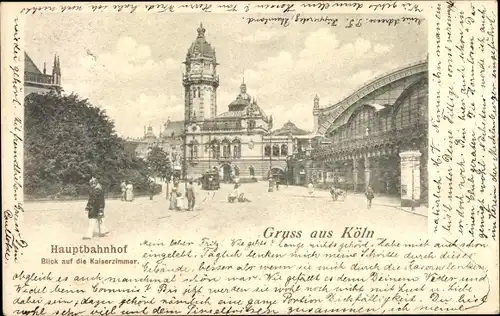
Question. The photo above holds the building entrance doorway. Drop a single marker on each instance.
(226, 173)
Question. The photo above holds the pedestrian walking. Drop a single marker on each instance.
(191, 198)
(95, 210)
(173, 197)
(233, 196)
(123, 187)
(369, 196)
(277, 184)
(270, 189)
(311, 188)
(180, 200)
(129, 196)
(151, 188)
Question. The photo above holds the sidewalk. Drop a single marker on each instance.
(380, 199)
(395, 202)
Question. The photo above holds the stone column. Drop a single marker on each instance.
(308, 170)
(367, 172)
(410, 178)
(355, 173)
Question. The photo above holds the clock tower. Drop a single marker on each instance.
(200, 80)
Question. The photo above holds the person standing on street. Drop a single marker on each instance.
(173, 197)
(311, 188)
(270, 189)
(151, 188)
(369, 196)
(123, 187)
(129, 196)
(95, 210)
(190, 196)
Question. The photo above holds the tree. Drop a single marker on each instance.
(68, 141)
(159, 163)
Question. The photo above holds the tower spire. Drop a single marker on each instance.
(201, 31)
(243, 76)
(54, 66)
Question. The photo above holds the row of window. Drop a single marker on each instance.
(214, 150)
(234, 150)
(277, 150)
(196, 92)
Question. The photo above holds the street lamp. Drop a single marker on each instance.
(184, 167)
(209, 151)
(270, 153)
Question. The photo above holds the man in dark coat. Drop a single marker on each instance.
(151, 188)
(369, 196)
(95, 210)
(190, 195)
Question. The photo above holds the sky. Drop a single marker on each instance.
(131, 65)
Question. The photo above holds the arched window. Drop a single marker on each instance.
(251, 170)
(195, 150)
(276, 150)
(214, 150)
(226, 149)
(199, 92)
(251, 124)
(413, 108)
(267, 150)
(361, 122)
(236, 148)
(284, 150)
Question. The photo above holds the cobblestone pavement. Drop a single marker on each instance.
(287, 209)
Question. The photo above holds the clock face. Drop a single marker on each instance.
(196, 67)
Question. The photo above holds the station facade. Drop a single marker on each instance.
(377, 137)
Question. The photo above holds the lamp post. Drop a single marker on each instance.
(209, 151)
(184, 164)
(412, 184)
(270, 154)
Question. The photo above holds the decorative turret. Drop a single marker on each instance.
(58, 67)
(149, 134)
(316, 114)
(316, 103)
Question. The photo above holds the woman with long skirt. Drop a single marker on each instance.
(173, 198)
(129, 192)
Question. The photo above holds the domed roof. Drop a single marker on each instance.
(200, 47)
(242, 100)
(290, 128)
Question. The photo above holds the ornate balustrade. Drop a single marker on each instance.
(38, 78)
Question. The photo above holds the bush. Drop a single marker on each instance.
(68, 190)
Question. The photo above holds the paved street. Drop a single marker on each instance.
(289, 208)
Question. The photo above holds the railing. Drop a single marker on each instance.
(38, 78)
(200, 76)
(221, 128)
(381, 136)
